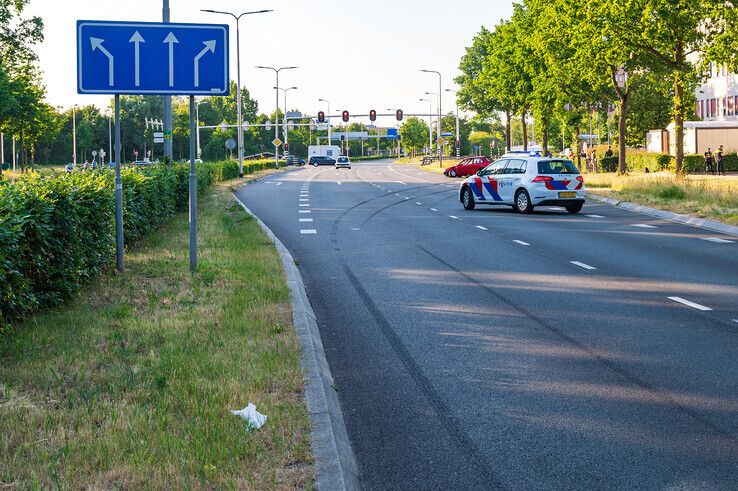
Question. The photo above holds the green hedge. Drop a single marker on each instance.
(57, 232)
(695, 164)
(637, 161)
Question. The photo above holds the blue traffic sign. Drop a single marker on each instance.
(392, 133)
(150, 58)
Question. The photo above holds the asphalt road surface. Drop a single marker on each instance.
(486, 349)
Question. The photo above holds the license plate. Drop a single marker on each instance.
(567, 195)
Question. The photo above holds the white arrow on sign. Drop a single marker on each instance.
(209, 46)
(171, 39)
(137, 39)
(97, 44)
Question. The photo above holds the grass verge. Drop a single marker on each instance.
(714, 197)
(433, 167)
(129, 386)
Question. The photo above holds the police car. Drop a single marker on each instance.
(525, 182)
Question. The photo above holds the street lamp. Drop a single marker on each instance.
(238, 76)
(328, 112)
(276, 112)
(440, 90)
(458, 135)
(430, 124)
(285, 117)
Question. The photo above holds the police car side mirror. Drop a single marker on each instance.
(479, 172)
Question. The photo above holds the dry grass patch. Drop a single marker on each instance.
(130, 385)
(704, 196)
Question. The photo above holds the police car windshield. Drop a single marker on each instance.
(557, 167)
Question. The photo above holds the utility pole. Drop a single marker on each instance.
(284, 128)
(167, 98)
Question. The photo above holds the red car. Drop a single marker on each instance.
(467, 167)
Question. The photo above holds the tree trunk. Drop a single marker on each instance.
(679, 122)
(525, 131)
(622, 167)
(508, 132)
(544, 123)
(576, 148)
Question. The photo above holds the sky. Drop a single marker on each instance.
(357, 54)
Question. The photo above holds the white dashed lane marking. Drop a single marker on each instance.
(690, 304)
(308, 231)
(644, 225)
(418, 203)
(717, 240)
(306, 219)
(582, 265)
(454, 217)
(595, 216)
(521, 242)
(304, 211)
(481, 228)
(433, 209)
(304, 204)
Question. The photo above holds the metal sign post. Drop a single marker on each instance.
(152, 59)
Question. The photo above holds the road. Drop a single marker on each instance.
(486, 349)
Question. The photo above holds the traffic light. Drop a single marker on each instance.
(345, 116)
(286, 147)
(372, 115)
(398, 115)
(321, 117)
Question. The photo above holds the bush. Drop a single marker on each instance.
(608, 164)
(57, 232)
(638, 161)
(695, 164)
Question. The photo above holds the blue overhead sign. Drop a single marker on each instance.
(150, 58)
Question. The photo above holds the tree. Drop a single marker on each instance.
(665, 35)
(414, 134)
(650, 105)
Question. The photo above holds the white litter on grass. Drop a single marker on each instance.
(254, 419)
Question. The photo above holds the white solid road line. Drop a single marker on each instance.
(582, 265)
(717, 240)
(454, 217)
(481, 228)
(433, 209)
(523, 243)
(644, 225)
(306, 219)
(303, 211)
(595, 216)
(308, 231)
(690, 304)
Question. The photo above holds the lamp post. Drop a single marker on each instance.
(276, 112)
(328, 112)
(430, 124)
(284, 129)
(440, 91)
(238, 78)
(458, 135)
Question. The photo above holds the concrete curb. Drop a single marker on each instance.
(703, 223)
(334, 458)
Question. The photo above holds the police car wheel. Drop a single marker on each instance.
(452, 173)
(522, 202)
(574, 207)
(468, 199)
(315, 164)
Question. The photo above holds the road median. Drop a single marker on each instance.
(130, 385)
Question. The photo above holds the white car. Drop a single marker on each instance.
(525, 182)
(343, 162)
